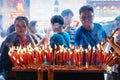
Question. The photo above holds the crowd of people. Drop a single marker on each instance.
(89, 33)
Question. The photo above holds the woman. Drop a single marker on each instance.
(17, 38)
(33, 31)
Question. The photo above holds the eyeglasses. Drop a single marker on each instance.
(87, 18)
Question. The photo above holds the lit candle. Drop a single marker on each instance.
(105, 54)
(93, 55)
(65, 57)
(88, 51)
(37, 55)
(99, 54)
(12, 57)
(70, 57)
(81, 55)
(109, 58)
(75, 56)
(61, 56)
(57, 57)
(25, 56)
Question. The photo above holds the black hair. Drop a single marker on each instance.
(32, 23)
(57, 19)
(117, 18)
(86, 8)
(21, 18)
(11, 29)
(3, 33)
(66, 12)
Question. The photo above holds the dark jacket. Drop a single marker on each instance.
(5, 62)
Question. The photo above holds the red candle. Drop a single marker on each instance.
(32, 56)
(109, 58)
(81, 55)
(75, 56)
(12, 57)
(105, 54)
(25, 56)
(88, 51)
(93, 55)
(71, 57)
(48, 55)
(37, 55)
(61, 56)
(64, 55)
(41, 57)
(99, 54)
(58, 57)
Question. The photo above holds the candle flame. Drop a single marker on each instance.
(82, 50)
(86, 65)
(86, 50)
(98, 46)
(9, 53)
(61, 50)
(93, 49)
(71, 46)
(89, 47)
(21, 58)
(55, 46)
(57, 52)
(46, 51)
(76, 50)
(113, 55)
(18, 61)
(14, 58)
(70, 52)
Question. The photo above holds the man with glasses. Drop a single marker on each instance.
(88, 33)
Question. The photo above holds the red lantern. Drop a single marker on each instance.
(98, 8)
(112, 8)
(104, 8)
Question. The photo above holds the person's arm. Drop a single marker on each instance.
(67, 28)
(114, 45)
(41, 41)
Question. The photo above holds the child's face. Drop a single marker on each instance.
(55, 27)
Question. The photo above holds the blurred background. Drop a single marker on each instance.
(42, 10)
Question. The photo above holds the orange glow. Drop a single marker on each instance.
(19, 6)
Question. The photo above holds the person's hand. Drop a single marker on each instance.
(67, 28)
(112, 62)
(111, 41)
(42, 41)
(117, 60)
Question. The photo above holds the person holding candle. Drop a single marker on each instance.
(17, 38)
(115, 62)
(113, 46)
